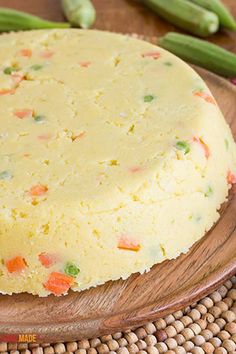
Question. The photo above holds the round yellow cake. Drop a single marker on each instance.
(114, 157)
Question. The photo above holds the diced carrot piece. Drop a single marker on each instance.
(135, 169)
(204, 146)
(26, 52)
(85, 64)
(79, 136)
(46, 54)
(47, 259)
(45, 137)
(38, 190)
(208, 98)
(129, 245)
(231, 178)
(17, 264)
(154, 55)
(24, 113)
(17, 78)
(58, 283)
(7, 92)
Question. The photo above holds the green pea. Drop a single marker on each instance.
(199, 89)
(227, 144)
(71, 269)
(198, 218)
(183, 145)
(9, 70)
(168, 63)
(36, 67)
(39, 119)
(148, 98)
(209, 191)
(6, 175)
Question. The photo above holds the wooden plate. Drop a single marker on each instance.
(123, 304)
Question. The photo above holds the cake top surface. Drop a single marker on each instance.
(87, 116)
(114, 157)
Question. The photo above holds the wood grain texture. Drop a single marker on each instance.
(118, 305)
(125, 16)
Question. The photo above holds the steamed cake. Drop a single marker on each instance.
(114, 157)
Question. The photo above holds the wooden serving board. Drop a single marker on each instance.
(118, 305)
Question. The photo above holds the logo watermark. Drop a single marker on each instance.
(19, 338)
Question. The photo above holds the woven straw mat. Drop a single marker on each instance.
(208, 326)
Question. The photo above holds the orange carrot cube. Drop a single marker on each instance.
(154, 55)
(58, 283)
(208, 98)
(46, 54)
(6, 92)
(129, 245)
(231, 178)
(85, 64)
(24, 113)
(16, 264)
(46, 259)
(26, 52)
(38, 190)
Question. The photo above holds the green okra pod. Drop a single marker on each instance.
(186, 15)
(80, 13)
(216, 6)
(13, 20)
(200, 52)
